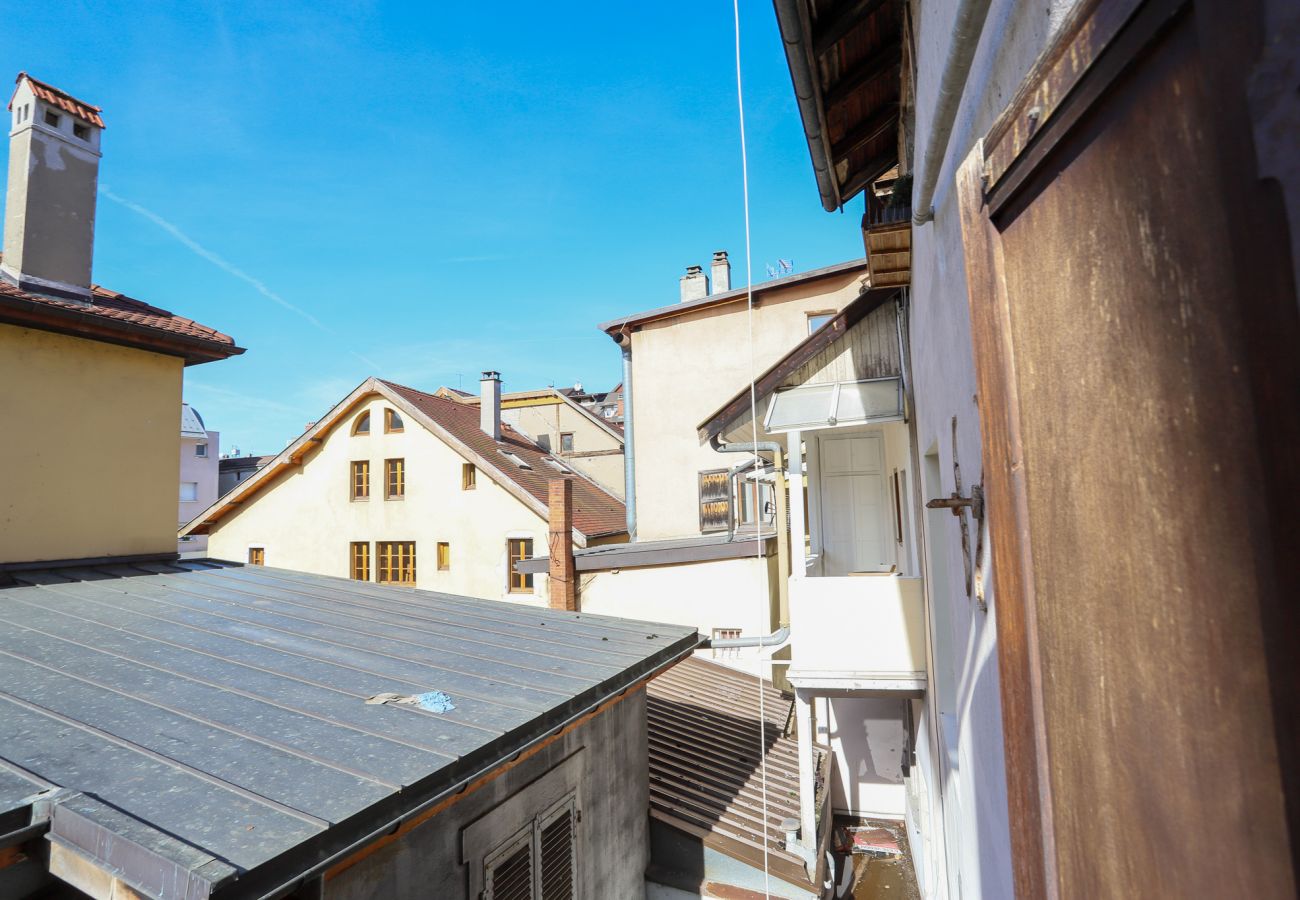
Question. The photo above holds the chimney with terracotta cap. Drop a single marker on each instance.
(49, 232)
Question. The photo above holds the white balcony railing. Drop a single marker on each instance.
(858, 632)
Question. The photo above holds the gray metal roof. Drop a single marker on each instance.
(209, 720)
(672, 551)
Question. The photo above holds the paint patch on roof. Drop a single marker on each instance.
(433, 701)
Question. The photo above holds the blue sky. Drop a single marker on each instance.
(422, 191)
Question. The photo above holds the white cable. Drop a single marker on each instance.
(753, 418)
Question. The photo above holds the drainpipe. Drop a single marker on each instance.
(775, 639)
(782, 534)
(967, 27)
(624, 341)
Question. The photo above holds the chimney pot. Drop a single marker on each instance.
(694, 284)
(490, 404)
(721, 270)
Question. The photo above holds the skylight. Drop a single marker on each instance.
(514, 458)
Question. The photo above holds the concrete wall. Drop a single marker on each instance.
(546, 422)
(605, 759)
(964, 733)
(868, 737)
(91, 444)
(305, 519)
(202, 470)
(685, 368)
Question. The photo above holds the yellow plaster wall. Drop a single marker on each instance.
(686, 367)
(306, 519)
(89, 448)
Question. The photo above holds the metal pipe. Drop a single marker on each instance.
(805, 92)
(629, 445)
(968, 24)
(775, 639)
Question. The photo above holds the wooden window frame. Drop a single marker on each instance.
(359, 480)
(518, 582)
(257, 556)
(389, 415)
(468, 477)
(395, 488)
(444, 556)
(395, 558)
(359, 560)
(570, 448)
(361, 427)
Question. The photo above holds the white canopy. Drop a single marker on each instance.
(836, 404)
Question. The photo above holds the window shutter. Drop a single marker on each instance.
(557, 855)
(510, 873)
(715, 500)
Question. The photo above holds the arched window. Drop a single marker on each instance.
(362, 424)
(392, 421)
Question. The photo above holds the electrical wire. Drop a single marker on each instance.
(765, 592)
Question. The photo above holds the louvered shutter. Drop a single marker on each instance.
(557, 854)
(715, 500)
(510, 871)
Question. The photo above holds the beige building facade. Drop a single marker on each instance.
(397, 486)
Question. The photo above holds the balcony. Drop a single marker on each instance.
(887, 234)
(861, 633)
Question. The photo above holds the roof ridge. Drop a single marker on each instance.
(57, 90)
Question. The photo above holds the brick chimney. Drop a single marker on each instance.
(49, 229)
(562, 572)
(490, 404)
(721, 272)
(695, 284)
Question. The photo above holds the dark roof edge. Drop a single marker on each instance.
(422, 799)
(679, 309)
(862, 306)
(604, 558)
(807, 93)
(194, 350)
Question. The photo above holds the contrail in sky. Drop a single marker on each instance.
(227, 267)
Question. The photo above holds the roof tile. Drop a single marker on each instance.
(61, 99)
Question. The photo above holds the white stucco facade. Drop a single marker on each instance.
(306, 519)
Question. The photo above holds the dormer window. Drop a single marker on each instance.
(362, 424)
(515, 459)
(393, 423)
(51, 119)
(81, 131)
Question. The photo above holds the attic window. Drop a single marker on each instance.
(559, 466)
(362, 425)
(52, 119)
(514, 458)
(81, 131)
(392, 422)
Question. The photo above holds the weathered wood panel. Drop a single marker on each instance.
(869, 349)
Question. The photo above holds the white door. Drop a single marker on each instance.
(855, 521)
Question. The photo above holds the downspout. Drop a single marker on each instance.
(775, 639)
(967, 26)
(624, 340)
(782, 533)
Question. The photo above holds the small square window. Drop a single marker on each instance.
(200, 449)
(566, 441)
(81, 131)
(817, 319)
(51, 119)
(257, 556)
(189, 491)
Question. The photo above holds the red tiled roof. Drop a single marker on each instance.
(125, 319)
(62, 99)
(595, 512)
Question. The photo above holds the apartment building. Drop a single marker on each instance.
(200, 454)
(397, 486)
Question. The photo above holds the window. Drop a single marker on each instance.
(515, 458)
(557, 465)
(715, 500)
(81, 131)
(394, 479)
(396, 562)
(51, 119)
(361, 479)
(200, 449)
(362, 425)
(519, 549)
(755, 501)
(726, 634)
(257, 556)
(444, 556)
(392, 422)
(189, 491)
(566, 441)
(538, 861)
(360, 554)
(468, 477)
(818, 319)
